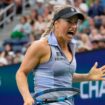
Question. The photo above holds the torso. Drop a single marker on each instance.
(56, 66)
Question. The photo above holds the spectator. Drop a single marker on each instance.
(102, 31)
(40, 25)
(21, 29)
(7, 48)
(40, 6)
(18, 57)
(1, 50)
(47, 14)
(86, 41)
(83, 44)
(98, 44)
(97, 21)
(7, 53)
(34, 14)
(94, 35)
(102, 2)
(10, 57)
(3, 61)
(18, 6)
(2, 6)
(96, 9)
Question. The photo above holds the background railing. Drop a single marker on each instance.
(3, 13)
(5, 16)
(24, 4)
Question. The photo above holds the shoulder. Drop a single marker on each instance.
(40, 44)
(39, 47)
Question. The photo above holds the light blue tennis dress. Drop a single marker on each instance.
(57, 72)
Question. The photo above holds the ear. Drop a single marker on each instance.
(55, 24)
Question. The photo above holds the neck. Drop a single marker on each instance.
(62, 43)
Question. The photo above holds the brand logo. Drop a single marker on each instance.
(59, 56)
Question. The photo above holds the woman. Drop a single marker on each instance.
(52, 58)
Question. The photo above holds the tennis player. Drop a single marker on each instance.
(52, 58)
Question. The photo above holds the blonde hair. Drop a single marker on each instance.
(56, 9)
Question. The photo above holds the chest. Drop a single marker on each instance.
(64, 62)
(68, 55)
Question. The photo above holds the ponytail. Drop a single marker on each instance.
(49, 29)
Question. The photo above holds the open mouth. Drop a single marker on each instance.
(70, 33)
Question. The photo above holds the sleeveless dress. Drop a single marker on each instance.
(57, 72)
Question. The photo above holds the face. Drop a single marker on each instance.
(66, 28)
(23, 20)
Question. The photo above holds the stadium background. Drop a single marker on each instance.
(15, 38)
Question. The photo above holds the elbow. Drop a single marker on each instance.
(17, 76)
(20, 74)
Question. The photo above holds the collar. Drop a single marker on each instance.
(52, 40)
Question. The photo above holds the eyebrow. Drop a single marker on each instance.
(71, 21)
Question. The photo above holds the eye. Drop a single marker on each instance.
(68, 21)
(72, 22)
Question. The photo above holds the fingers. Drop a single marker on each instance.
(103, 76)
(103, 71)
(95, 65)
(102, 79)
(31, 102)
(103, 67)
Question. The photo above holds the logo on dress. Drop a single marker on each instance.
(59, 56)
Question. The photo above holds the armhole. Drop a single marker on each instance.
(52, 53)
(51, 56)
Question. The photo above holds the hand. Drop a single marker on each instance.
(29, 101)
(97, 73)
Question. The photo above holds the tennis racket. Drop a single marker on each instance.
(54, 95)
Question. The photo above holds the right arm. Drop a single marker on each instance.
(31, 60)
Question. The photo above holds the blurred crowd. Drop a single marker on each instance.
(6, 3)
(90, 34)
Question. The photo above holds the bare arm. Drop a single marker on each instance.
(80, 77)
(94, 74)
(31, 59)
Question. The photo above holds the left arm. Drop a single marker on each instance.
(94, 74)
(80, 77)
